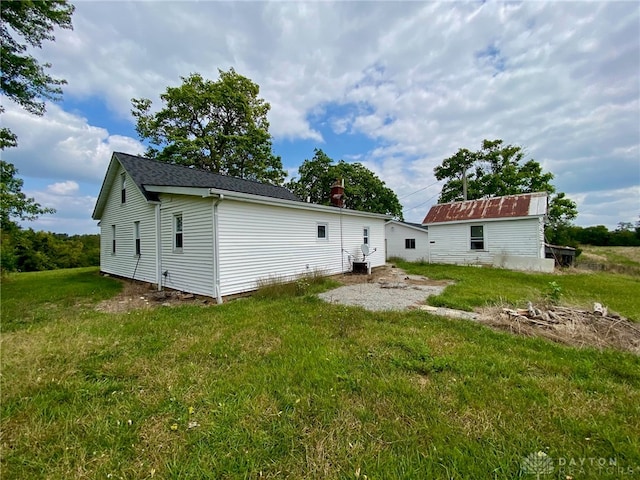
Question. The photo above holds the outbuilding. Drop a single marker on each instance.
(505, 231)
(215, 235)
(408, 241)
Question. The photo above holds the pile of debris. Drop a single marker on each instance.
(597, 327)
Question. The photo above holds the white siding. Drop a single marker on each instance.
(190, 270)
(123, 215)
(262, 241)
(396, 233)
(505, 237)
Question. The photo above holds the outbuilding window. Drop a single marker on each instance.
(477, 237)
(410, 243)
(113, 239)
(123, 187)
(323, 231)
(365, 235)
(177, 233)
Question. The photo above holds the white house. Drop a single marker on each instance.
(215, 235)
(409, 241)
(503, 231)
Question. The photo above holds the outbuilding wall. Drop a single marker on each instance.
(397, 233)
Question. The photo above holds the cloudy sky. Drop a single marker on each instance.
(398, 86)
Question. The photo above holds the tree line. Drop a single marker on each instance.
(27, 250)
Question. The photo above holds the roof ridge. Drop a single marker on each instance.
(196, 169)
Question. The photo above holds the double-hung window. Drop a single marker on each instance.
(365, 235)
(477, 237)
(113, 239)
(123, 188)
(410, 243)
(177, 233)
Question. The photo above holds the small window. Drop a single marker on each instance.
(323, 231)
(410, 243)
(113, 239)
(477, 237)
(136, 236)
(123, 188)
(177, 229)
(365, 235)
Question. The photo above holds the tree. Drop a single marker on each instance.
(25, 24)
(363, 190)
(14, 203)
(218, 126)
(497, 170)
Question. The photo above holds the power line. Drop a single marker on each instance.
(426, 201)
(423, 188)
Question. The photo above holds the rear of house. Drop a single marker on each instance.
(503, 231)
(214, 235)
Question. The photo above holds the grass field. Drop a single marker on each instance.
(622, 259)
(291, 387)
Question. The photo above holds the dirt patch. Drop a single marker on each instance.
(389, 274)
(137, 295)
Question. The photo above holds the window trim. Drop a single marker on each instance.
(136, 239)
(366, 235)
(324, 238)
(178, 233)
(409, 243)
(475, 240)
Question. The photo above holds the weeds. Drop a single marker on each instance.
(280, 287)
(553, 293)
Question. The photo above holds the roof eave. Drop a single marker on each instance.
(481, 220)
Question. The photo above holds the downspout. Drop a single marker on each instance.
(216, 251)
(158, 249)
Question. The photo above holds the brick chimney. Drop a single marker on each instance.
(336, 196)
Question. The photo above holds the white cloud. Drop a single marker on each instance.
(61, 145)
(63, 188)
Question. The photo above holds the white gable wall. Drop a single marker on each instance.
(259, 241)
(396, 233)
(516, 237)
(123, 215)
(192, 269)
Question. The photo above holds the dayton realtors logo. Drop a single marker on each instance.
(539, 464)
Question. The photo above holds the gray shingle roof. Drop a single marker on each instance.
(145, 171)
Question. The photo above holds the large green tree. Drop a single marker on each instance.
(14, 204)
(363, 190)
(496, 170)
(219, 126)
(27, 24)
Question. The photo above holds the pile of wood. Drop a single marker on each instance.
(597, 327)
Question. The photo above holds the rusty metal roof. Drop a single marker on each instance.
(509, 206)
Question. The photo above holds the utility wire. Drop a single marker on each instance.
(423, 188)
(413, 208)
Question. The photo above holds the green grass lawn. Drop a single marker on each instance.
(477, 287)
(291, 387)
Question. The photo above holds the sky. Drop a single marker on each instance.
(397, 86)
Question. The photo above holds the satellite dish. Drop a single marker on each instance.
(365, 249)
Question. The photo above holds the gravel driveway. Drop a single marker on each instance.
(398, 293)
